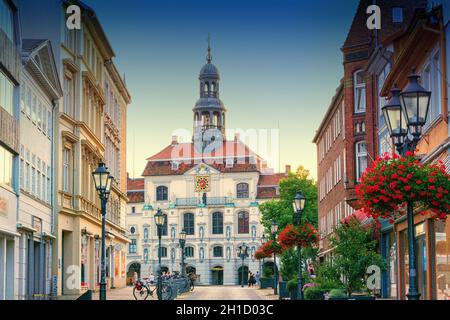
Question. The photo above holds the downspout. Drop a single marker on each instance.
(55, 262)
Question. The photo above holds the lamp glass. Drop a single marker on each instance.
(159, 218)
(415, 102)
(299, 202)
(182, 235)
(274, 227)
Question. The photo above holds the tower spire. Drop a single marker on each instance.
(209, 57)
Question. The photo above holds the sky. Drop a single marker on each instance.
(280, 64)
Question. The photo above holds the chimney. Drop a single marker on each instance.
(174, 140)
(288, 168)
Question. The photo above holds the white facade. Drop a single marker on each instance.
(203, 240)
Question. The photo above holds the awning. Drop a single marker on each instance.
(360, 215)
(217, 269)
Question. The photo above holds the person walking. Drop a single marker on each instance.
(257, 277)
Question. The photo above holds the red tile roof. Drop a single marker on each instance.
(135, 184)
(267, 193)
(135, 196)
(271, 179)
(181, 151)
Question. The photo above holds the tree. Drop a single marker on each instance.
(281, 210)
(354, 251)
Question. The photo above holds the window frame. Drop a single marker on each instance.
(165, 193)
(245, 228)
(356, 88)
(243, 193)
(189, 223)
(217, 222)
(358, 156)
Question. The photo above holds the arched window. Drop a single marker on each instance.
(243, 222)
(242, 190)
(361, 159)
(161, 193)
(163, 251)
(145, 233)
(217, 223)
(188, 223)
(189, 252)
(360, 91)
(218, 252)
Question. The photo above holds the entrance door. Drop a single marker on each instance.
(217, 276)
(422, 266)
(243, 275)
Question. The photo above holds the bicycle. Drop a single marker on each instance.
(142, 290)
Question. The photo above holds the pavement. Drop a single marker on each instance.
(228, 293)
(199, 293)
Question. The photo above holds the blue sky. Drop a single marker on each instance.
(280, 63)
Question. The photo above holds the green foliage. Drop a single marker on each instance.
(292, 284)
(328, 277)
(267, 272)
(281, 210)
(314, 293)
(289, 264)
(354, 251)
(337, 293)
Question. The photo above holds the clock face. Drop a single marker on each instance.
(202, 183)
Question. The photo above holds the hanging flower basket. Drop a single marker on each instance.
(304, 236)
(271, 247)
(260, 254)
(391, 181)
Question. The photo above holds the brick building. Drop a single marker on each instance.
(359, 135)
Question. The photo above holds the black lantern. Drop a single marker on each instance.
(159, 218)
(299, 202)
(182, 236)
(263, 239)
(395, 118)
(102, 180)
(274, 227)
(415, 102)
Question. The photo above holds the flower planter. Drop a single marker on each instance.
(265, 283)
(282, 290)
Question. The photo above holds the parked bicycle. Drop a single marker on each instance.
(145, 288)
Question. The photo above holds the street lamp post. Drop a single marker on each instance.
(299, 206)
(274, 230)
(406, 114)
(243, 253)
(182, 244)
(263, 241)
(159, 221)
(102, 181)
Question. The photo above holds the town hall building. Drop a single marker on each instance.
(211, 188)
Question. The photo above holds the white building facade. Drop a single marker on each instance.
(212, 193)
(40, 89)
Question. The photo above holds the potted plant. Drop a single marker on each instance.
(291, 287)
(266, 281)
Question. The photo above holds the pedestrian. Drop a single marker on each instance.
(251, 280)
(257, 277)
(152, 278)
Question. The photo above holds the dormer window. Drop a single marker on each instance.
(229, 163)
(397, 15)
(175, 165)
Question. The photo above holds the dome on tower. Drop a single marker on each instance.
(209, 71)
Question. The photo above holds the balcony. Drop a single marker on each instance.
(198, 202)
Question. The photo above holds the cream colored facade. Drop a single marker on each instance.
(84, 61)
